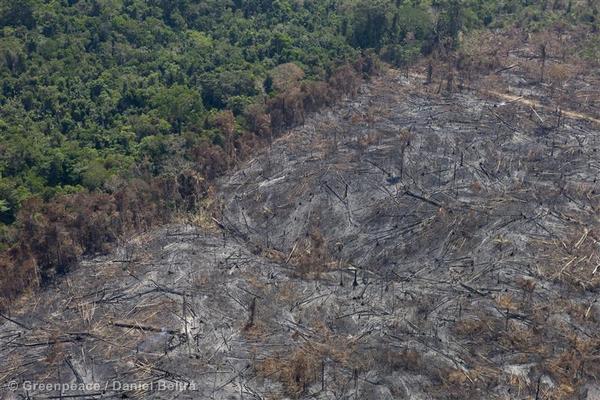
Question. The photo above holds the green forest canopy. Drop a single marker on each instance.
(92, 88)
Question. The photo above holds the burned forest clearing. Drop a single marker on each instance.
(406, 243)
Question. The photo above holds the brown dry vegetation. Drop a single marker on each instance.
(548, 65)
(428, 243)
(51, 237)
(412, 246)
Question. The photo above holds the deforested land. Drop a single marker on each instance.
(300, 199)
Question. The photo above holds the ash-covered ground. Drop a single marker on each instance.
(402, 245)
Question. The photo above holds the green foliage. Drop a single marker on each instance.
(115, 113)
(179, 105)
(89, 88)
(16, 13)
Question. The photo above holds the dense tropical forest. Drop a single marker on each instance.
(114, 111)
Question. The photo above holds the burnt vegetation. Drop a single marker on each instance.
(427, 229)
(52, 236)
